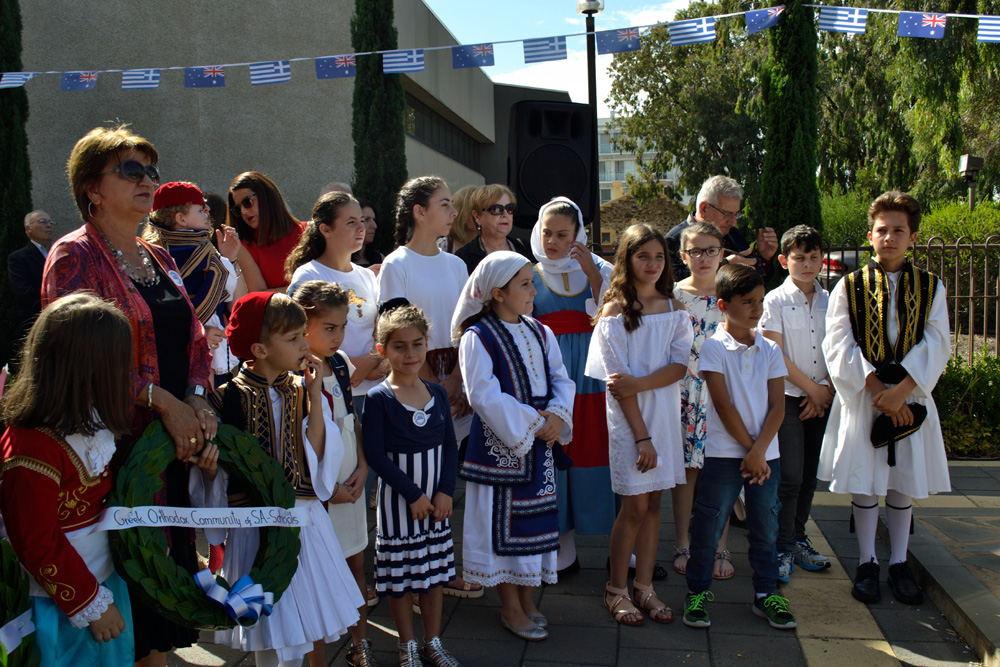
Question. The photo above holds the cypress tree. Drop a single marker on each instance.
(379, 108)
(789, 195)
(15, 171)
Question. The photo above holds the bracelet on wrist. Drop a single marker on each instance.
(149, 396)
(643, 440)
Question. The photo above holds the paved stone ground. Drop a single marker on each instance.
(833, 628)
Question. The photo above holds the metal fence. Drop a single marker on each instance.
(970, 271)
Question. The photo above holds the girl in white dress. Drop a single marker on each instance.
(640, 346)
(522, 398)
(326, 305)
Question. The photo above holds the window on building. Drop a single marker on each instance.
(605, 237)
(605, 195)
(434, 130)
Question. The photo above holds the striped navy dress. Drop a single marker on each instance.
(414, 453)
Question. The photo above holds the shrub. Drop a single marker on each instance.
(968, 400)
(952, 221)
(845, 216)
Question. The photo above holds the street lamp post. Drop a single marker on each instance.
(969, 166)
(590, 8)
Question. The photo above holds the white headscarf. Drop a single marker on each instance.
(575, 277)
(496, 270)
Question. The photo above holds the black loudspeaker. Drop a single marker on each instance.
(551, 151)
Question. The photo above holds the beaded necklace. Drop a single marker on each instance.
(146, 275)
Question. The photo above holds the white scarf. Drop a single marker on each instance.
(496, 270)
(552, 268)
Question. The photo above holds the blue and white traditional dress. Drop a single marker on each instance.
(414, 453)
(511, 371)
(565, 303)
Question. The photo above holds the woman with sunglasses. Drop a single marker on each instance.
(113, 173)
(493, 209)
(267, 228)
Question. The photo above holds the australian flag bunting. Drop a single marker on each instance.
(989, 30)
(397, 62)
(140, 79)
(78, 80)
(472, 55)
(618, 41)
(15, 79)
(213, 76)
(762, 19)
(843, 19)
(275, 71)
(919, 24)
(336, 67)
(692, 31)
(544, 50)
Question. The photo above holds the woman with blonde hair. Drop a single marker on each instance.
(464, 228)
(493, 209)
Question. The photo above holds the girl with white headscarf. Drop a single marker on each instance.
(570, 280)
(522, 401)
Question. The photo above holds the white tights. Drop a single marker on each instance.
(898, 511)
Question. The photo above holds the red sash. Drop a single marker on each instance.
(567, 322)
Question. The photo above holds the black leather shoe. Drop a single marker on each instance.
(902, 584)
(866, 586)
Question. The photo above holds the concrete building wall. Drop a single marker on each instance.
(460, 95)
(424, 161)
(298, 133)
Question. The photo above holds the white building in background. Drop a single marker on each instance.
(614, 167)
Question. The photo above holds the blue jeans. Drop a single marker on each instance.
(721, 481)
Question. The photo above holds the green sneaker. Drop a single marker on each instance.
(775, 609)
(695, 614)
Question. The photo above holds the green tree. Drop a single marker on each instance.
(15, 171)
(789, 195)
(692, 108)
(379, 107)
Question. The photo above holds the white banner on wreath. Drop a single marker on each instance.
(150, 516)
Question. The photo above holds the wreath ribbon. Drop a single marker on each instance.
(14, 631)
(245, 600)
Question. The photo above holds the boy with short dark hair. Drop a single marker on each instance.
(795, 318)
(745, 375)
(886, 345)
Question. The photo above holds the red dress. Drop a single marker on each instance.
(46, 492)
(271, 258)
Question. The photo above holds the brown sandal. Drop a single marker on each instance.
(645, 597)
(620, 605)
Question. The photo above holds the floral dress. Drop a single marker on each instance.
(705, 317)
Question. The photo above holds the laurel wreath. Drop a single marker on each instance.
(140, 554)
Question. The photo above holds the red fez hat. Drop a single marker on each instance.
(245, 323)
(176, 193)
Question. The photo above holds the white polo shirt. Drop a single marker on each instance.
(747, 371)
(802, 328)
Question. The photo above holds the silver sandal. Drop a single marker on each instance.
(360, 655)
(435, 653)
(409, 654)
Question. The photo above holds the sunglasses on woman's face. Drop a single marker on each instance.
(133, 171)
(247, 202)
(498, 209)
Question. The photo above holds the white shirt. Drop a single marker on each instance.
(747, 371)
(431, 283)
(42, 249)
(787, 312)
(361, 286)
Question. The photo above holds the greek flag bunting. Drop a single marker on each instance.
(692, 31)
(472, 55)
(275, 71)
(78, 80)
(397, 62)
(618, 41)
(918, 24)
(15, 79)
(843, 19)
(140, 79)
(989, 29)
(544, 50)
(336, 67)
